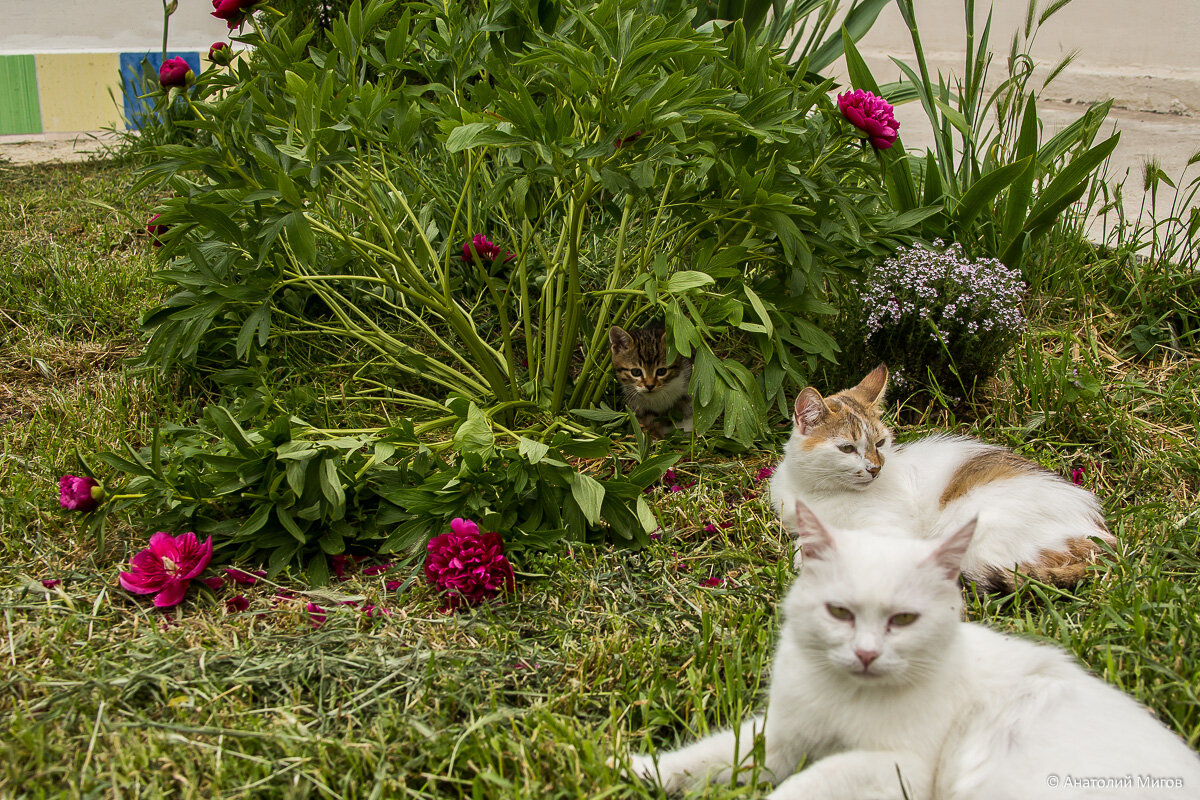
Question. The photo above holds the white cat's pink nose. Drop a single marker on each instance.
(866, 656)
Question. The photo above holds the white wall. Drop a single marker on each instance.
(1143, 53)
(74, 26)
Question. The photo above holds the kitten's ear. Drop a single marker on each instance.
(810, 407)
(871, 388)
(948, 556)
(814, 538)
(619, 339)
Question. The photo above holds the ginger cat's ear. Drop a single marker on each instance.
(810, 408)
(619, 339)
(870, 389)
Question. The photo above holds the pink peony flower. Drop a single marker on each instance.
(316, 615)
(220, 54)
(77, 493)
(175, 72)
(872, 115)
(243, 578)
(236, 604)
(487, 250)
(166, 567)
(468, 566)
(625, 140)
(234, 12)
(156, 229)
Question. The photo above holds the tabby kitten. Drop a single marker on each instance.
(879, 690)
(653, 387)
(842, 462)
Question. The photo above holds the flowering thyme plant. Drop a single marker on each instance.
(937, 317)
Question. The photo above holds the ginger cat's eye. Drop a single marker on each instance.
(847, 448)
(637, 373)
(839, 612)
(900, 620)
(880, 443)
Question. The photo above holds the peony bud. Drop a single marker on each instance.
(220, 54)
(77, 493)
(175, 72)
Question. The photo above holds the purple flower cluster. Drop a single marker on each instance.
(938, 317)
(957, 294)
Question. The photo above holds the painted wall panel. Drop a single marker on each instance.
(19, 108)
(74, 91)
(131, 72)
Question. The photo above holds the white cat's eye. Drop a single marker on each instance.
(880, 443)
(637, 373)
(900, 620)
(847, 448)
(839, 612)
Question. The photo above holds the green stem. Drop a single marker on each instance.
(574, 300)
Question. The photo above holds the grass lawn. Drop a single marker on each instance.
(600, 651)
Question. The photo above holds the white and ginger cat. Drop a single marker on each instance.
(878, 684)
(842, 462)
(653, 385)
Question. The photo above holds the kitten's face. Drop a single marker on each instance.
(640, 359)
(875, 608)
(841, 440)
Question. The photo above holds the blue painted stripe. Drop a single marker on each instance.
(139, 76)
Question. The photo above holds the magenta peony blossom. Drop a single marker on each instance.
(468, 566)
(77, 493)
(243, 578)
(487, 250)
(625, 140)
(872, 115)
(220, 54)
(232, 11)
(237, 603)
(166, 567)
(175, 72)
(156, 229)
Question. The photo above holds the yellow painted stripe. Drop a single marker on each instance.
(74, 91)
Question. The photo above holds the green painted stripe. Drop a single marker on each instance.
(20, 111)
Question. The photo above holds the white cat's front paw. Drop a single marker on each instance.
(648, 769)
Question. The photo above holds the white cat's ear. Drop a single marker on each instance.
(948, 556)
(870, 389)
(619, 339)
(810, 407)
(814, 538)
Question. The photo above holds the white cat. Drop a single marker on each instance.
(878, 684)
(841, 461)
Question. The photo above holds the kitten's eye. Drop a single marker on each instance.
(900, 620)
(637, 373)
(661, 371)
(880, 443)
(847, 448)
(839, 612)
